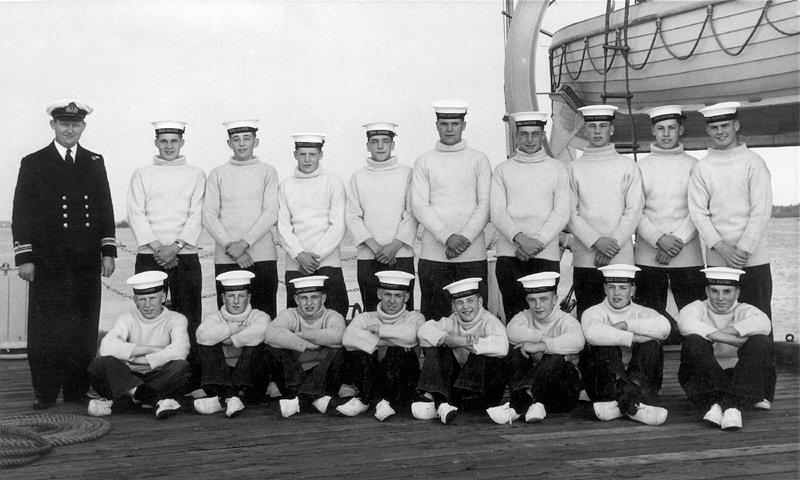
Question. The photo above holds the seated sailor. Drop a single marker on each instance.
(464, 357)
(727, 353)
(622, 363)
(142, 359)
(382, 360)
(542, 365)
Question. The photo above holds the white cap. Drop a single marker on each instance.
(69, 108)
(619, 273)
(381, 128)
(169, 126)
(308, 140)
(722, 275)
(463, 288)
(240, 126)
(450, 108)
(394, 280)
(539, 282)
(235, 280)
(147, 282)
(313, 283)
(667, 112)
(720, 112)
(598, 113)
(529, 119)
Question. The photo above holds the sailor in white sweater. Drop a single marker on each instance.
(165, 202)
(450, 191)
(379, 214)
(239, 210)
(304, 343)
(142, 359)
(530, 207)
(667, 247)
(727, 352)
(622, 362)
(311, 222)
(606, 190)
(231, 348)
(464, 357)
(730, 203)
(381, 350)
(542, 365)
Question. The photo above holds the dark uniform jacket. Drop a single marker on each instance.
(62, 214)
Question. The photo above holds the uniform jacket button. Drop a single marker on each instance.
(86, 197)
(86, 207)
(63, 198)
(87, 215)
(66, 225)
(87, 224)
(64, 207)
(65, 215)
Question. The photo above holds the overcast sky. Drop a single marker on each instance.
(298, 66)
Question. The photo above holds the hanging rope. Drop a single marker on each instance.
(601, 71)
(709, 13)
(749, 37)
(771, 24)
(649, 49)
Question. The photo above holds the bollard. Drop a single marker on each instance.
(14, 311)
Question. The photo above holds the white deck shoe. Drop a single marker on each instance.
(234, 406)
(353, 407)
(731, 419)
(502, 414)
(535, 413)
(383, 410)
(424, 410)
(650, 415)
(273, 391)
(321, 404)
(447, 413)
(207, 405)
(713, 416)
(763, 405)
(100, 407)
(289, 406)
(166, 408)
(607, 410)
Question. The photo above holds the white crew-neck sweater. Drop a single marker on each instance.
(398, 330)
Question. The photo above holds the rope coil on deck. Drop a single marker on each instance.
(60, 429)
(19, 446)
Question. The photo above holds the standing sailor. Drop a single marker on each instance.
(142, 359)
(464, 357)
(529, 219)
(311, 222)
(379, 214)
(165, 203)
(607, 202)
(305, 343)
(381, 345)
(63, 229)
(450, 192)
(239, 211)
(622, 364)
(726, 353)
(667, 247)
(542, 364)
(231, 348)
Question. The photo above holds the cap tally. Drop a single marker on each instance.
(145, 283)
(310, 140)
(313, 283)
(619, 273)
(529, 119)
(394, 280)
(235, 280)
(463, 288)
(539, 282)
(598, 113)
(722, 275)
(446, 109)
(241, 126)
(381, 128)
(667, 112)
(720, 112)
(169, 126)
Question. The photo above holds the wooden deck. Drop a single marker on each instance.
(259, 443)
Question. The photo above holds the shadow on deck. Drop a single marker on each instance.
(259, 443)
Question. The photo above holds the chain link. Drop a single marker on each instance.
(124, 248)
(6, 267)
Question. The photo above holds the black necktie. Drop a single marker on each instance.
(68, 158)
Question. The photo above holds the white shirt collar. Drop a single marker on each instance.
(63, 151)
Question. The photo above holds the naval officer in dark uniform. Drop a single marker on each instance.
(63, 229)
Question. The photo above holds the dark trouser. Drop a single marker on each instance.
(184, 283)
(652, 283)
(263, 287)
(588, 284)
(368, 282)
(335, 288)
(309, 385)
(756, 288)
(112, 378)
(481, 380)
(605, 377)
(390, 373)
(221, 379)
(706, 382)
(63, 317)
(508, 270)
(433, 276)
(554, 381)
